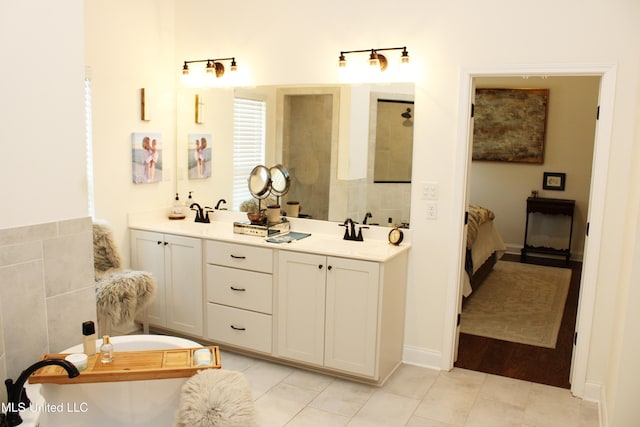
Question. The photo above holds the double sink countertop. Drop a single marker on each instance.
(326, 238)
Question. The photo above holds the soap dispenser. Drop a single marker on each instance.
(177, 210)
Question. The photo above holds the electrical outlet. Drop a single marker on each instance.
(432, 211)
(430, 190)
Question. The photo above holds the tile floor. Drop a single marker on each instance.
(412, 397)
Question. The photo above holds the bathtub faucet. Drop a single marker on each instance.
(17, 396)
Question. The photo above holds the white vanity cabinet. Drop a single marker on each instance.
(331, 305)
(239, 294)
(176, 265)
(340, 313)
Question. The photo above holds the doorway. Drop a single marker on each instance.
(584, 323)
(503, 186)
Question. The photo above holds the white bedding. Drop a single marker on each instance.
(487, 242)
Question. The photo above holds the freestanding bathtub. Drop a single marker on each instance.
(149, 403)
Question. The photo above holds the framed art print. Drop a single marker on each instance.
(509, 125)
(146, 157)
(554, 181)
(199, 155)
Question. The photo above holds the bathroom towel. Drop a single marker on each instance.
(216, 397)
(288, 237)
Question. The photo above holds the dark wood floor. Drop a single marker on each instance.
(549, 366)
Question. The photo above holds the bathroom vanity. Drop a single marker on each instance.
(322, 302)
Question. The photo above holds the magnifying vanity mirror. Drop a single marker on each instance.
(324, 137)
(279, 181)
(259, 182)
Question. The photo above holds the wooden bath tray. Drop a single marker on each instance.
(128, 366)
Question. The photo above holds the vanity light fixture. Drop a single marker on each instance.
(376, 59)
(213, 66)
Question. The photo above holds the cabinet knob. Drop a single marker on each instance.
(319, 266)
(166, 243)
(329, 267)
(238, 328)
(159, 242)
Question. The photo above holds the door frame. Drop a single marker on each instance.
(602, 144)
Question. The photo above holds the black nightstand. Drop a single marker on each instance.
(548, 207)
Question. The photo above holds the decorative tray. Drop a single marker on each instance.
(261, 230)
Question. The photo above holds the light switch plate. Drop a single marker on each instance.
(430, 190)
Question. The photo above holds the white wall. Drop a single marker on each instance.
(129, 46)
(45, 231)
(42, 104)
(571, 121)
(624, 388)
(283, 43)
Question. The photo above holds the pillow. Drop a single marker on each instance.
(216, 397)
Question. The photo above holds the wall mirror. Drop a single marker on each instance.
(325, 137)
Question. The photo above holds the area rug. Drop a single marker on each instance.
(520, 303)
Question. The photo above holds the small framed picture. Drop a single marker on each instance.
(554, 181)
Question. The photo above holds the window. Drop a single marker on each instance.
(249, 118)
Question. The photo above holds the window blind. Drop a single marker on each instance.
(88, 120)
(249, 116)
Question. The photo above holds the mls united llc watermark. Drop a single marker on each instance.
(45, 407)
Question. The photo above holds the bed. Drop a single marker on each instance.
(484, 248)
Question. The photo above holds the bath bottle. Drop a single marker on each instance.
(89, 338)
(106, 350)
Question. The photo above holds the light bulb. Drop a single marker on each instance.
(342, 61)
(374, 62)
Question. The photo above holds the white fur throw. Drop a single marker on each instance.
(216, 397)
(122, 294)
(105, 251)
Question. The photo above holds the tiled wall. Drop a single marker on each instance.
(385, 200)
(307, 145)
(46, 291)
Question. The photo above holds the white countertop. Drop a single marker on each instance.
(325, 239)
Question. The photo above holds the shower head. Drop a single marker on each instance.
(407, 114)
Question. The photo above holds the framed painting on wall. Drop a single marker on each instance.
(510, 125)
(146, 153)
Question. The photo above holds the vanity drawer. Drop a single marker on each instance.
(240, 256)
(238, 327)
(239, 288)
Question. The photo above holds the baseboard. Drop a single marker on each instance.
(422, 357)
(594, 392)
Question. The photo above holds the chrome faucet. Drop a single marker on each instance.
(17, 396)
